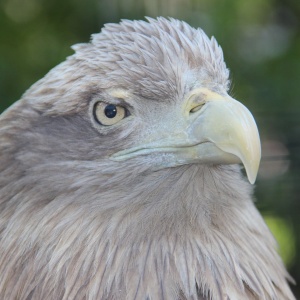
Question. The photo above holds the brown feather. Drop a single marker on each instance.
(76, 225)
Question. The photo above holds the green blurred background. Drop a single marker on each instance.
(261, 43)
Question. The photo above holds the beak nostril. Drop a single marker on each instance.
(197, 108)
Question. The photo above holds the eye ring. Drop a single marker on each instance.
(108, 114)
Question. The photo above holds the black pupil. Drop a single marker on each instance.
(110, 111)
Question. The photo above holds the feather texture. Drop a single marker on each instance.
(76, 225)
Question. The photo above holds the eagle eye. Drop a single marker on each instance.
(108, 114)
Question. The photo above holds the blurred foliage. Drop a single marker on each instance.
(261, 43)
(285, 238)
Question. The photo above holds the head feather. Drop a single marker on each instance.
(76, 225)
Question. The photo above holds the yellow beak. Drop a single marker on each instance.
(230, 126)
(210, 128)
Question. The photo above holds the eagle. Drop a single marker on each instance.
(121, 176)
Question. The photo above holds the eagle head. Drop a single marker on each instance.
(120, 176)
